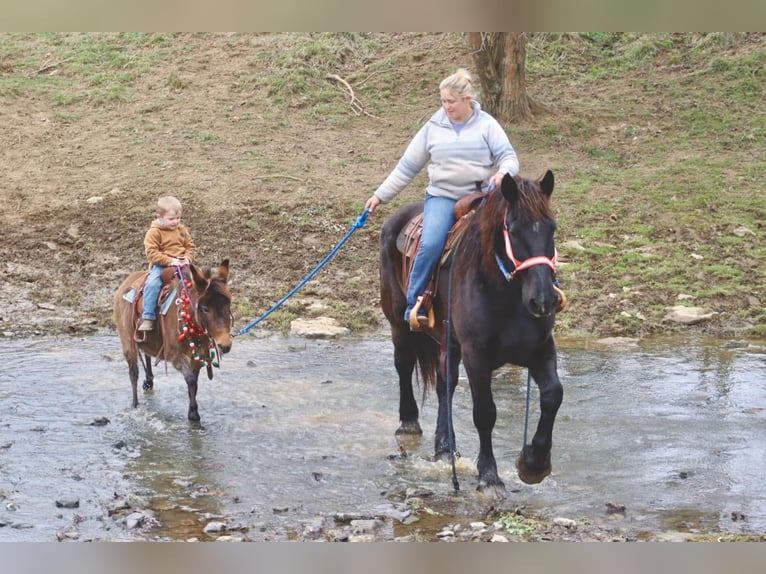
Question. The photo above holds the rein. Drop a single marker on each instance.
(360, 221)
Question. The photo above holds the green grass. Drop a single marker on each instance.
(664, 134)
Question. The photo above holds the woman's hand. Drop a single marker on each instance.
(495, 180)
(372, 203)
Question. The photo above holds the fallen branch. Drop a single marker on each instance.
(47, 67)
(354, 102)
(278, 175)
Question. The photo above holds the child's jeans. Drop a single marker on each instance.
(152, 289)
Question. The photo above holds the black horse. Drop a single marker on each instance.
(497, 289)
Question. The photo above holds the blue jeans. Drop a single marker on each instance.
(152, 289)
(438, 218)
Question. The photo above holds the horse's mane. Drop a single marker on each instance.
(532, 205)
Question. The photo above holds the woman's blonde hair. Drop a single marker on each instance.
(168, 203)
(460, 84)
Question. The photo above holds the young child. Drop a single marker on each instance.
(166, 243)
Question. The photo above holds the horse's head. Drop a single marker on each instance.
(528, 243)
(214, 303)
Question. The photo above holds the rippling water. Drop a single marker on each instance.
(295, 429)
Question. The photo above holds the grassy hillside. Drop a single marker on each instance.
(656, 142)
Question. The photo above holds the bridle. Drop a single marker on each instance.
(519, 265)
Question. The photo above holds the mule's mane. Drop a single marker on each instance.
(217, 287)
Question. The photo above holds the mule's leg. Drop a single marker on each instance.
(149, 380)
(441, 437)
(191, 384)
(534, 462)
(484, 417)
(133, 374)
(404, 359)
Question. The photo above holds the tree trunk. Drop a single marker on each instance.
(500, 61)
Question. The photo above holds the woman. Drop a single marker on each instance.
(466, 148)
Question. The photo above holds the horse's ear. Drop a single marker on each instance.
(200, 281)
(510, 189)
(546, 183)
(223, 270)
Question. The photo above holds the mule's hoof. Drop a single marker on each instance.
(194, 416)
(148, 385)
(529, 476)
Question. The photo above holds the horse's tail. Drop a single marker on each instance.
(427, 359)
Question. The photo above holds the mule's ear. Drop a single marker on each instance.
(546, 183)
(510, 189)
(223, 270)
(200, 281)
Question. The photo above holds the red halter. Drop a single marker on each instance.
(527, 263)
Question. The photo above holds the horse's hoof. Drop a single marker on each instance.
(194, 416)
(494, 491)
(148, 385)
(409, 428)
(442, 456)
(529, 476)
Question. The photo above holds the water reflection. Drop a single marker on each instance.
(296, 429)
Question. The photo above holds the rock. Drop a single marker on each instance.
(68, 503)
(67, 533)
(319, 328)
(361, 538)
(228, 538)
(567, 523)
(617, 341)
(117, 506)
(362, 526)
(93, 200)
(741, 231)
(574, 245)
(214, 527)
(134, 520)
(688, 315)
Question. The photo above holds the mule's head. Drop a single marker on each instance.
(528, 241)
(214, 303)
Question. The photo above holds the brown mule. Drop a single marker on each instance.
(193, 332)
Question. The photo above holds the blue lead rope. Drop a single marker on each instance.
(360, 221)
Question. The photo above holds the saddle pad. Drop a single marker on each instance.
(131, 295)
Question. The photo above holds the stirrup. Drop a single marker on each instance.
(562, 299)
(418, 322)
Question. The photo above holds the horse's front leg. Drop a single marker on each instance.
(534, 462)
(442, 436)
(484, 418)
(191, 377)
